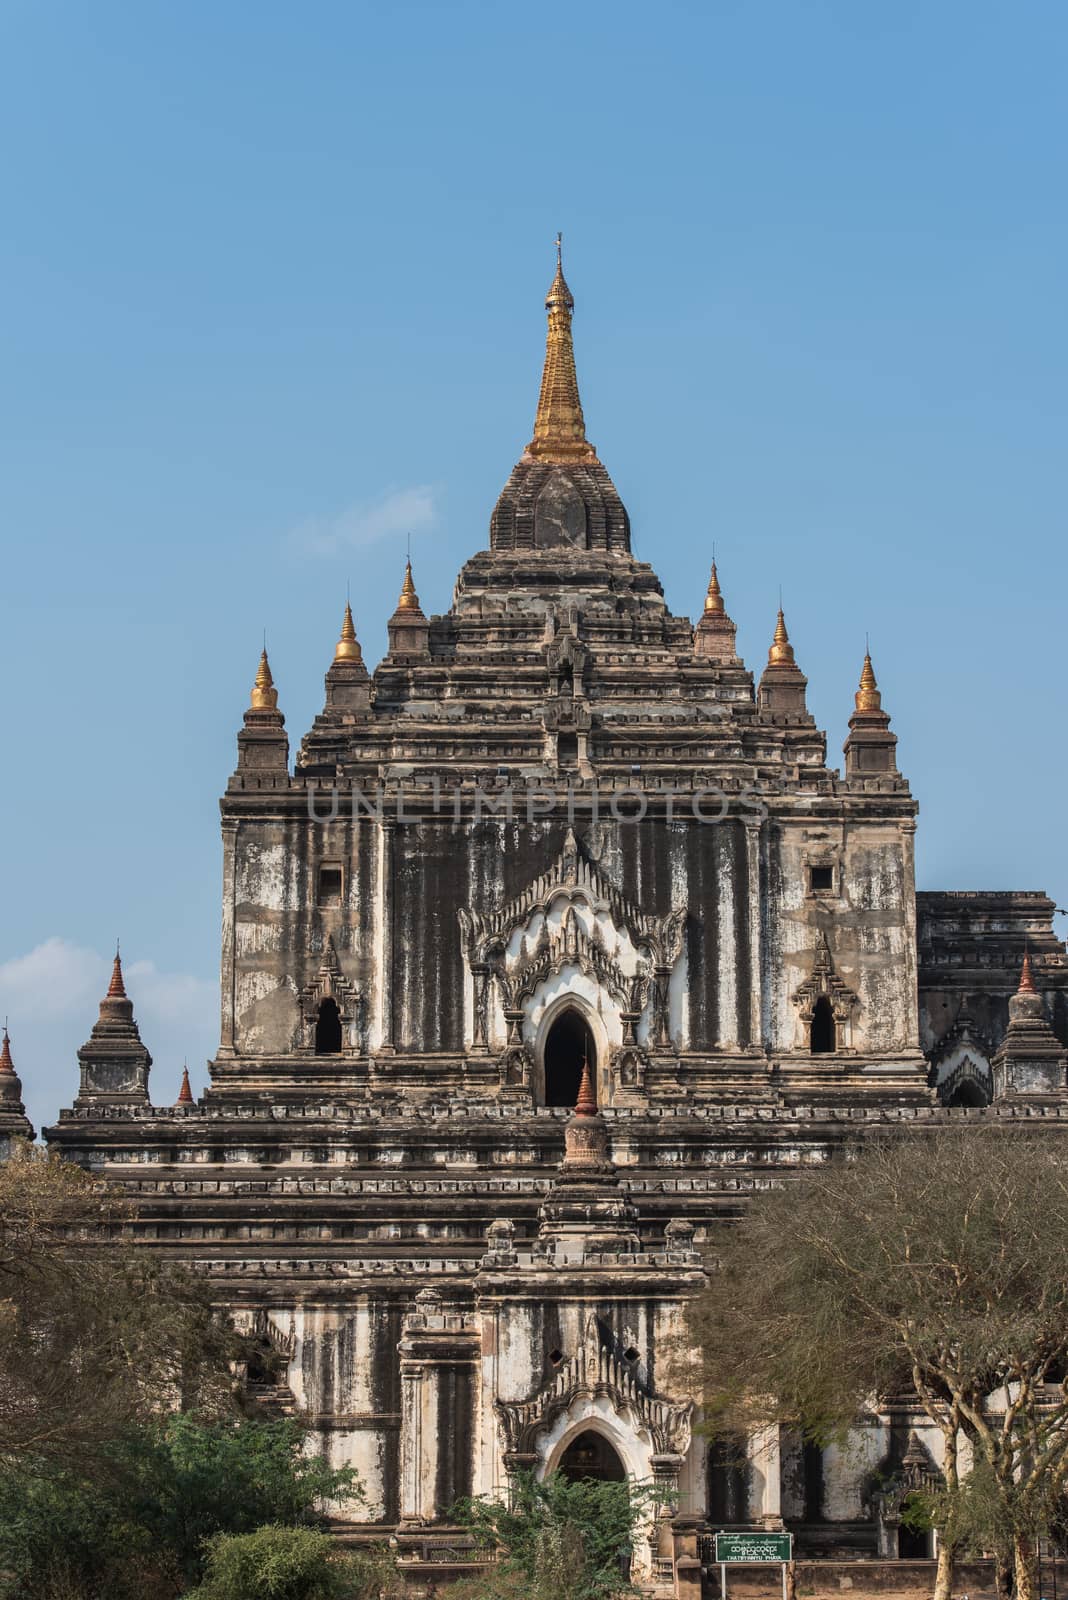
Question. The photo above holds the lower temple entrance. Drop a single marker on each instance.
(569, 1044)
(591, 1456)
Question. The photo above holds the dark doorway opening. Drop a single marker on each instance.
(968, 1093)
(328, 1029)
(570, 1042)
(591, 1456)
(567, 749)
(913, 1544)
(823, 1030)
(728, 1482)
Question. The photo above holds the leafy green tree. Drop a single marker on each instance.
(138, 1525)
(557, 1538)
(939, 1262)
(277, 1563)
(94, 1333)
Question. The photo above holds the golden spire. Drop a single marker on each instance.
(348, 646)
(409, 600)
(782, 651)
(264, 693)
(559, 427)
(714, 597)
(867, 696)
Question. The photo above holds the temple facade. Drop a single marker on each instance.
(558, 937)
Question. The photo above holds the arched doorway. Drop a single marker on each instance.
(328, 1029)
(968, 1093)
(569, 1043)
(823, 1029)
(591, 1456)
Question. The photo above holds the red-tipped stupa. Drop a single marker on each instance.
(185, 1093)
(1027, 982)
(116, 988)
(586, 1104)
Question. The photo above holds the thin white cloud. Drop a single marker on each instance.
(396, 511)
(50, 995)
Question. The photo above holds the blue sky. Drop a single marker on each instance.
(271, 285)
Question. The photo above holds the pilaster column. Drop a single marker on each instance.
(386, 830)
(756, 933)
(439, 1363)
(765, 1452)
(227, 976)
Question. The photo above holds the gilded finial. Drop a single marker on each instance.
(409, 600)
(1027, 982)
(867, 696)
(559, 426)
(348, 646)
(264, 694)
(714, 597)
(782, 651)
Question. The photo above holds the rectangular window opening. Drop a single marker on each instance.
(821, 880)
(329, 886)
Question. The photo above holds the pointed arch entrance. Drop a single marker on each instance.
(568, 1043)
(590, 1455)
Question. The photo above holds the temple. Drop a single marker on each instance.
(558, 936)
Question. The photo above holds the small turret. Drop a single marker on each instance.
(409, 630)
(114, 1062)
(14, 1123)
(714, 636)
(348, 683)
(1030, 1061)
(870, 748)
(587, 1212)
(185, 1093)
(782, 684)
(262, 745)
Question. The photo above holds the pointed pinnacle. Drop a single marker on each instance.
(714, 597)
(867, 697)
(185, 1093)
(6, 1063)
(348, 647)
(409, 600)
(264, 694)
(116, 988)
(1027, 982)
(586, 1101)
(782, 651)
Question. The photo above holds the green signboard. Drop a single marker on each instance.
(753, 1547)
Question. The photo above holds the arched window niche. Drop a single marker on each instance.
(569, 1041)
(328, 1028)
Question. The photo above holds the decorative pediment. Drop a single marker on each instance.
(330, 983)
(572, 878)
(825, 981)
(964, 1032)
(595, 1371)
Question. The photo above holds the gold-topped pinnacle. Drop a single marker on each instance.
(348, 646)
(867, 697)
(264, 694)
(714, 597)
(409, 600)
(782, 651)
(559, 426)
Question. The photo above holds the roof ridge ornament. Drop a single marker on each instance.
(559, 425)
